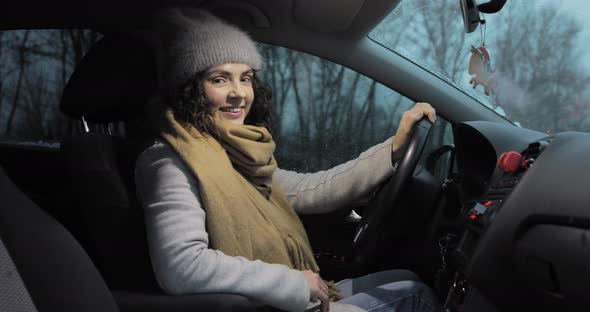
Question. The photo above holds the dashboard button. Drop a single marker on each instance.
(509, 161)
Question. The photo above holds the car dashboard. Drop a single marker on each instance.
(525, 206)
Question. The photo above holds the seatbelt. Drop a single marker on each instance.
(13, 293)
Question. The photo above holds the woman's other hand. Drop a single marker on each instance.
(317, 289)
(409, 118)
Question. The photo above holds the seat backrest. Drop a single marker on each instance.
(102, 193)
(26, 165)
(56, 272)
(113, 83)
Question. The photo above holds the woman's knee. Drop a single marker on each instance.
(423, 298)
(397, 296)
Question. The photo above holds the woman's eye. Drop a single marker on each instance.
(247, 79)
(217, 80)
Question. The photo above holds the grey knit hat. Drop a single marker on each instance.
(192, 40)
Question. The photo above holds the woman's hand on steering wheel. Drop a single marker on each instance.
(409, 118)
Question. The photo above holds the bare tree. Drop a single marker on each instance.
(278, 75)
(539, 65)
(35, 106)
(22, 62)
(2, 68)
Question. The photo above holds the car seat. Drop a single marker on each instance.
(113, 83)
(42, 267)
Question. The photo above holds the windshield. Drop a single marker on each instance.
(539, 74)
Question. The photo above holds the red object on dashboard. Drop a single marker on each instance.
(509, 161)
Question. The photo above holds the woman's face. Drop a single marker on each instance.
(229, 90)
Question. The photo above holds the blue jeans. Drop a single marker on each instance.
(391, 291)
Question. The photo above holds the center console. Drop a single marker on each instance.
(480, 214)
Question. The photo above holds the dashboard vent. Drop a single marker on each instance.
(534, 150)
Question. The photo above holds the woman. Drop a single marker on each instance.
(220, 216)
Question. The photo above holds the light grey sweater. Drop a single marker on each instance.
(177, 236)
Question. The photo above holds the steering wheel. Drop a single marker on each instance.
(375, 216)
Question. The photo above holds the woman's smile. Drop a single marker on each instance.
(232, 112)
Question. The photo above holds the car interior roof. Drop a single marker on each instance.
(352, 17)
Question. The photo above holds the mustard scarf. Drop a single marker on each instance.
(247, 215)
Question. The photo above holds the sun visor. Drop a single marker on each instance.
(327, 16)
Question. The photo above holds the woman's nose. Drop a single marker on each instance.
(237, 91)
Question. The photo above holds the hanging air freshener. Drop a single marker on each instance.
(480, 66)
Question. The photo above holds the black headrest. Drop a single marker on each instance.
(113, 82)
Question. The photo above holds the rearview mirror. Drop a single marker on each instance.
(470, 12)
(470, 15)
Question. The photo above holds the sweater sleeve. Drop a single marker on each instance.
(178, 241)
(344, 186)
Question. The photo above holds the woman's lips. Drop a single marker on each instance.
(232, 114)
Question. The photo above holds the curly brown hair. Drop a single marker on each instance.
(191, 106)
